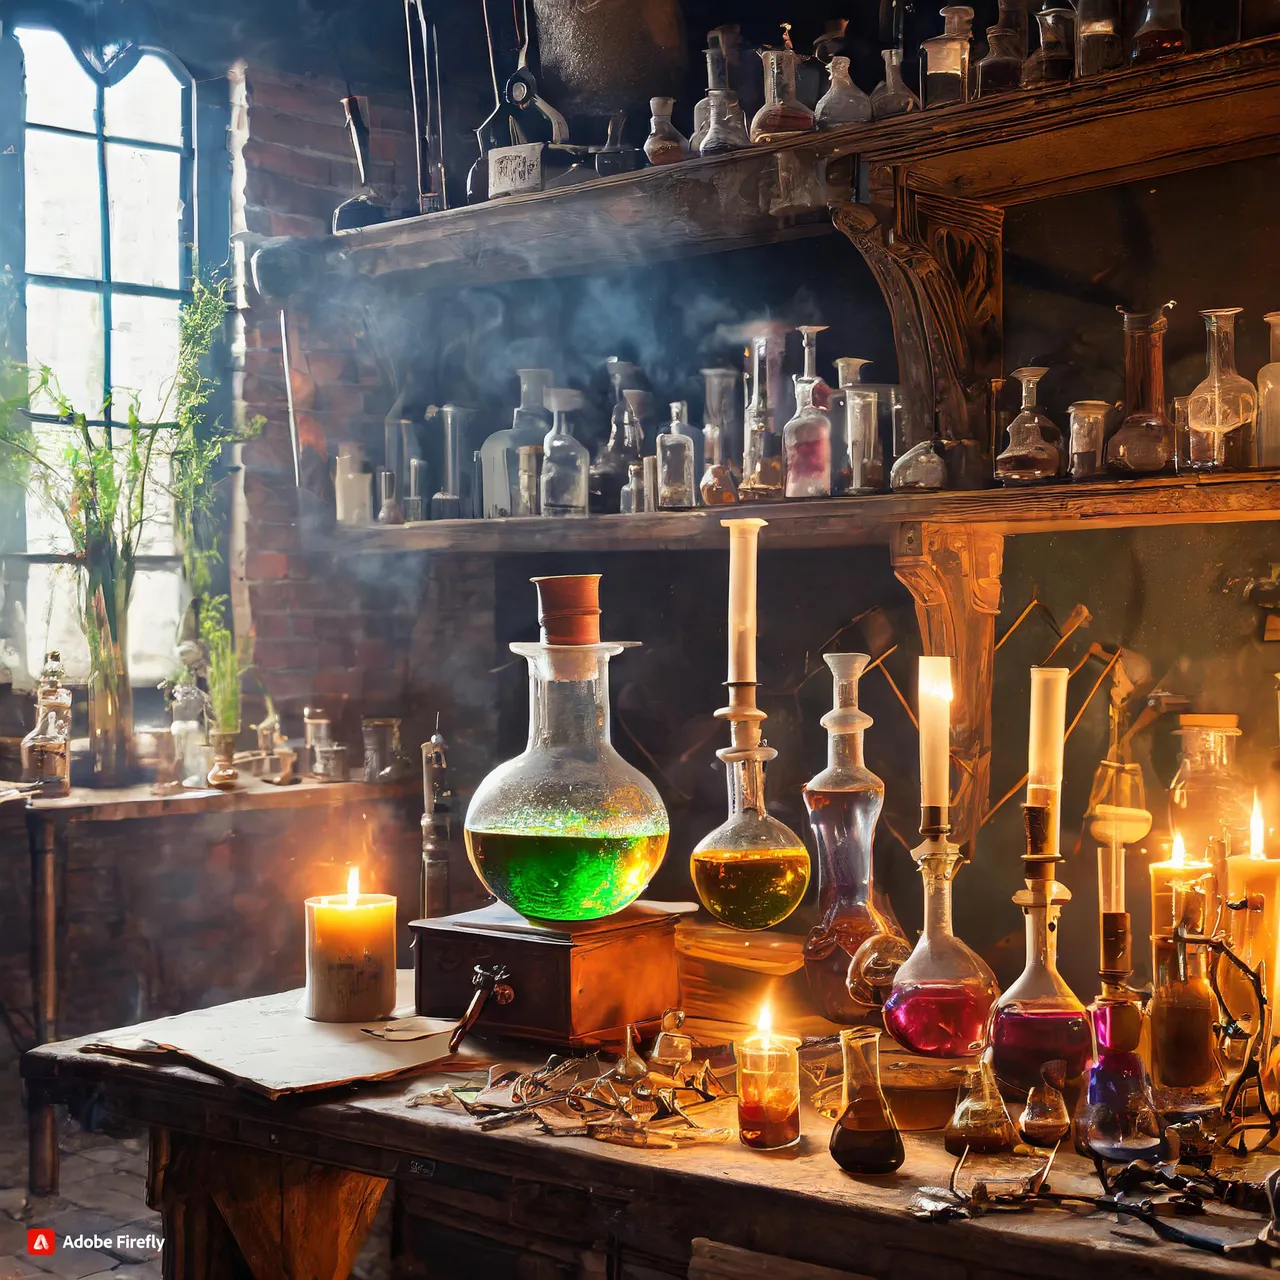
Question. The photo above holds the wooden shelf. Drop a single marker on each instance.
(861, 520)
(1201, 109)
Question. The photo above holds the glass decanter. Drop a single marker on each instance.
(1088, 432)
(1208, 798)
(866, 1139)
(843, 103)
(1039, 1019)
(1001, 70)
(1269, 400)
(806, 438)
(568, 830)
(1160, 33)
(631, 500)
(1116, 1118)
(1224, 402)
(980, 1123)
(624, 446)
(1035, 452)
(891, 97)
(762, 449)
(665, 143)
(944, 59)
(844, 803)
(1144, 443)
(783, 114)
(1012, 16)
(726, 126)
(1099, 37)
(677, 462)
(1054, 62)
(565, 462)
(499, 455)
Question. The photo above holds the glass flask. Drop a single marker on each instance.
(768, 1089)
(1045, 1121)
(665, 143)
(1144, 442)
(1001, 70)
(720, 399)
(1208, 798)
(631, 500)
(1088, 434)
(866, 1139)
(565, 462)
(1224, 402)
(1160, 33)
(1116, 1118)
(499, 455)
(888, 401)
(716, 79)
(762, 449)
(923, 467)
(1039, 1019)
(1012, 16)
(1099, 37)
(568, 830)
(806, 438)
(1035, 453)
(1054, 62)
(1269, 400)
(677, 460)
(701, 124)
(843, 103)
(726, 125)
(891, 97)
(944, 59)
(718, 486)
(844, 803)
(980, 1123)
(783, 114)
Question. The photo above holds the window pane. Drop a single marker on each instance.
(144, 356)
(154, 614)
(53, 618)
(59, 90)
(144, 190)
(146, 104)
(65, 332)
(64, 215)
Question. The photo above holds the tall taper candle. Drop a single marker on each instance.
(744, 537)
(935, 732)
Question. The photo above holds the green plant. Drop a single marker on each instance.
(228, 660)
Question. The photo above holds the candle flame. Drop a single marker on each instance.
(1178, 856)
(764, 1024)
(353, 886)
(1257, 831)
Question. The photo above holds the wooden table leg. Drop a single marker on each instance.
(42, 1143)
(45, 899)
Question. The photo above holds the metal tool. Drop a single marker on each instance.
(367, 208)
(424, 85)
(487, 982)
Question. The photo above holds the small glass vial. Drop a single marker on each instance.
(1054, 62)
(633, 491)
(1269, 399)
(762, 449)
(891, 97)
(843, 103)
(1035, 450)
(1160, 33)
(727, 125)
(665, 143)
(944, 59)
(866, 1139)
(1099, 37)
(1088, 433)
(565, 462)
(528, 486)
(768, 1089)
(783, 114)
(1001, 70)
(676, 462)
(1224, 402)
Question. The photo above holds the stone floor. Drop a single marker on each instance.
(103, 1194)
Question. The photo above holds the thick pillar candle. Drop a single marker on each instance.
(351, 955)
(1256, 877)
(934, 700)
(768, 1088)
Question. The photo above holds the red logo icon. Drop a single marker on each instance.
(40, 1240)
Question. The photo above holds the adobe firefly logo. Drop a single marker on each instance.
(40, 1241)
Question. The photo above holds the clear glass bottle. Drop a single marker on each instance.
(1099, 37)
(677, 462)
(52, 694)
(1116, 1118)
(190, 750)
(762, 449)
(719, 417)
(866, 1139)
(1012, 16)
(718, 486)
(352, 486)
(1045, 1120)
(1208, 798)
(922, 468)
(568, 830)
(726, 126)
(783, 114)
(665, 143)
(944, 59)
(1054, 62)
(1160, 33)
(716, 79)
(499, 455)
(1269, 399)
(631, 501)
(1144, 443)
(980, 1123)
(1001, 70)
(1224, 402)
(843, 103)
(887, 402)
(626, 440)
(1035, 451)
(844, 803)
(863, 450)
(565, 462)
(46, 756)
(891, 97)
(1088, 433)
(806, 438)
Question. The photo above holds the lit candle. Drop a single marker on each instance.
(768, 1088)
(1045, 743)
(1255, 877)
(351, 955)
(934, 700)
(1172, 885)
(744, 538)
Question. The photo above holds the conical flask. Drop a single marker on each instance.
(1045, 1121)
(980, 1124)
(865, 1139)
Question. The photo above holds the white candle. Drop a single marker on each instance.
(351, 955)
(1044, 747)
(744, 537)
(934, 700)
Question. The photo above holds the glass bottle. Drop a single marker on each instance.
(1035, 451)
(352, 486)
(528, 478)
(762, 449)
(806, 438)
(190, 752)
(1088, 432)
(1054, 62)
(1045, 1121)
(1099, 37)
(726, 126)
(866, 1139)
(565, 462)
(980, 1123)
(1160, 33)
(1269, 399)
(716, 79)
(1001, 70)
(720, 400)
(1224, 402)
(46, 756)
(861, 468)
(631, 500)
(676, 462)
(1012, 16)
(844, 803)
(626, 438)
(783, 114)
(923, 467)
(718, 486)
(1144, 442)
(843, 103)
(891, 97)
(665, 143)
(567, 830)
(499, 455)
(1208, 798)
(52, 694)
(944, 59)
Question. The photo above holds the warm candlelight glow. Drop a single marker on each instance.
(764, 1024)
(1178, 855)
(936, 683)
(1257, 832)
(353, 886)
(935, 695)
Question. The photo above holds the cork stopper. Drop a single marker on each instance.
(1038, 860)
(569, 608)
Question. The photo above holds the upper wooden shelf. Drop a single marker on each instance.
(1201, 109)
(833, 522)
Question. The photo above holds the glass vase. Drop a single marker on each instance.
(1144, 443)
(1224, 402)
(106, 629)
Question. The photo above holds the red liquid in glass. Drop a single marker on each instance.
(764, 1130)
(1022, 1042)
(937, 1019)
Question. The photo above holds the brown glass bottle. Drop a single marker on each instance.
(1160, 34)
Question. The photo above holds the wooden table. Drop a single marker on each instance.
(248, 1187)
